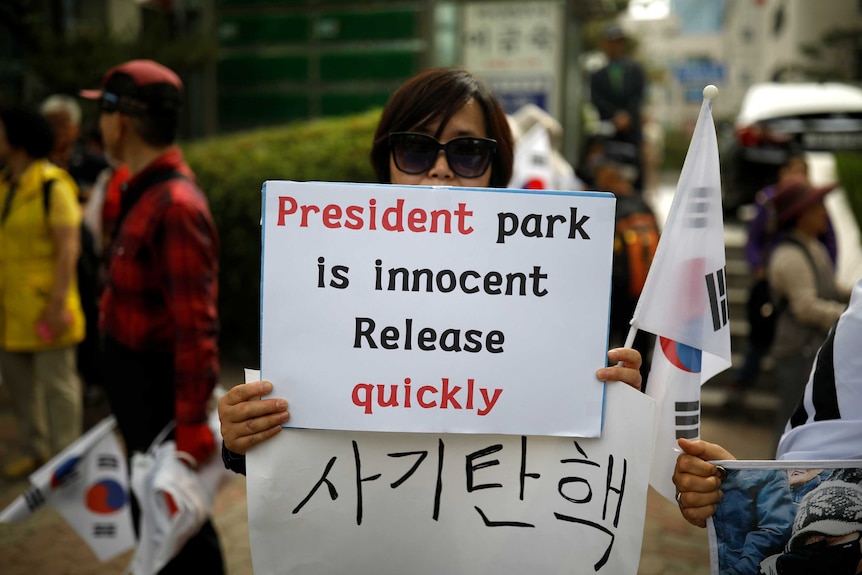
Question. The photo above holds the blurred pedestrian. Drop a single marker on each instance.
(802, 279)
(74, 154)
(71, 150)
(762, 237)
(40, 310)
(159, 315)
(636, 237)
(617, 90)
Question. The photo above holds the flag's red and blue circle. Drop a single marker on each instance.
(64, 472)
(680, 355)
(106, 496)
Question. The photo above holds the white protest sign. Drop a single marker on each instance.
(337, 502)
(446, 310)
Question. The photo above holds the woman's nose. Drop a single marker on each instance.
(441, 168)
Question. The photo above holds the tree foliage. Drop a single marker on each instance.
(835, 56)
(64, 60)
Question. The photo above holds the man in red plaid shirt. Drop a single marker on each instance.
(158, 311)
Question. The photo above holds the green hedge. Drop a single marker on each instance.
(231, 169)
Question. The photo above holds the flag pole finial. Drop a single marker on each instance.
(710, 92)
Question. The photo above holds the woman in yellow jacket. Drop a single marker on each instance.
(40, 309)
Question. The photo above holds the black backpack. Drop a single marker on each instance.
(89, 289)
(763, 307)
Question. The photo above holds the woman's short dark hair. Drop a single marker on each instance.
(27, 129)
(438, 94)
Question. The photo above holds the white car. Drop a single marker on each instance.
(776, 120)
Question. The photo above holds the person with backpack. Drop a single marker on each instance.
(761, 238)
(802, 280)
(41, 320)
(159, 318)
(64, 115)
(636, 236)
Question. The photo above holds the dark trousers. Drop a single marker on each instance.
(141, 392)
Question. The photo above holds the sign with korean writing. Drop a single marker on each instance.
(517, 48)
(445, 310)
(787, 517)
(338, 503)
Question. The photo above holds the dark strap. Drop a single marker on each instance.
(46, 199)
(7, 205)
(801, 246)
(147, 181)
(784, 303)
(46, 196)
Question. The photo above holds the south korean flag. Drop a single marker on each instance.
(88, 484)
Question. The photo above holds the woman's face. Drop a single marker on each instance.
(814, 220)
(468, 121)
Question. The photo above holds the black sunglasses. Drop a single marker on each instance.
(415, 153)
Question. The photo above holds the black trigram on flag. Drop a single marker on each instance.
(108, 462)
(716, 287)
(34, 498)
(687, 415)
(696, 214)
(104, 530)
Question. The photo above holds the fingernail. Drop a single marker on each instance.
(281, 404)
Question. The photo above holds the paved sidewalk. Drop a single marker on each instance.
(46, 544)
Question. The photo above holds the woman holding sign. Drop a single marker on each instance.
(443, 127)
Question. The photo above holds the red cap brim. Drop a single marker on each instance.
(91, 94)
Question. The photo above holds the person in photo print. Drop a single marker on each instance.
(443, 127)
(827, 534)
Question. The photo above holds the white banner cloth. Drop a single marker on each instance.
(338, 503)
